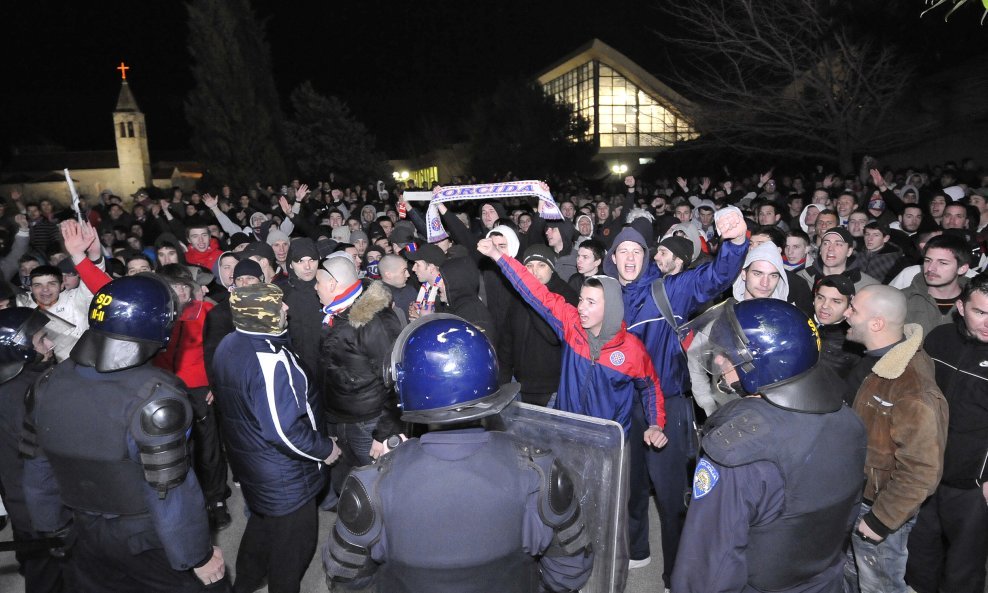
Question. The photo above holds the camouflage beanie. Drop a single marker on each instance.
(256, 309)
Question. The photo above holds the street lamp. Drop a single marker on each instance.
(619, 169)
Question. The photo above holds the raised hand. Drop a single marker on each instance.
(766, 176)
(302, 192)
(876, 178)
(90, 235)
(731, 225)
(210, 201)
(74, 240)
(487, 247)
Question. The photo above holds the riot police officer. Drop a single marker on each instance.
(106, 437)
(27, 342)
(777, 490)
(462, 508)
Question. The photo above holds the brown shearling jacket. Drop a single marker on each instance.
(905, 415)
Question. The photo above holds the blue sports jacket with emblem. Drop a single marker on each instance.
(605, 387)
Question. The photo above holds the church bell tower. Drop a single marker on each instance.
(132, 142)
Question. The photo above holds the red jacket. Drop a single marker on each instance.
(183, 355)
(206, 258)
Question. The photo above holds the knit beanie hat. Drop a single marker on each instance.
(248, 267)
(542, 253)
(275, 235)
(304, 247)
(257, 309)
(681, 247)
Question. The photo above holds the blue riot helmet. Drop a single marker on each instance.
(773, 347)
(444, 371)
(130, 320)
(18, 327)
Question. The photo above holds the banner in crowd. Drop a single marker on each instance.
(487, 191)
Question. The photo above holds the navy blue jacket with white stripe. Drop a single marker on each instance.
(270, 422)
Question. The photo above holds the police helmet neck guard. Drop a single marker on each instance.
(18, 325)
(444, 371)
(130, 320)
(811, 392)
(107, 353)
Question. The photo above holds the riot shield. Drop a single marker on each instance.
(594, 452)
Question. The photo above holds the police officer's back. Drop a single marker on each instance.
(106, 436)
(462, 508)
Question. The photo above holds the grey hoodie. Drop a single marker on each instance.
(764, 252)
(613, 315)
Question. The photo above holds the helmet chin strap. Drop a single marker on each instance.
(739, 389)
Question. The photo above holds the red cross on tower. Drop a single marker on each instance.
(123, 68)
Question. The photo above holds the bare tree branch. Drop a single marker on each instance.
(785, 77)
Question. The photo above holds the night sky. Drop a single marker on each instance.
(394, 63)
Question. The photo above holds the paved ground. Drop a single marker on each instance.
(642, 580)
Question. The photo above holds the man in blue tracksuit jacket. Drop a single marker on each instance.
(271, 427)
(606, 372)
(687, 291)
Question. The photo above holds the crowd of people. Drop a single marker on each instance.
(288, 302)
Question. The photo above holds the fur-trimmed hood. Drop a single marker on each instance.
(375, 299)
(895, 361)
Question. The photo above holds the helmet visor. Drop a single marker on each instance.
(41, 325)
(719, 342)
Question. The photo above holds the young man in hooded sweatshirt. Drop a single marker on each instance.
(687, 292)
(606, 372)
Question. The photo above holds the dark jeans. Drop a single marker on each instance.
(278, 549)
(667, 471)
(949, 544)
(354, 439)
(207, 451)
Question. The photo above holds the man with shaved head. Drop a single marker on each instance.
(358, 331)
(394, 274)
(905, 415)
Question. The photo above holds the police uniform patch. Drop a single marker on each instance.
(704, 479)
(617, 358)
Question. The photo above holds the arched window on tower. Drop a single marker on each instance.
(123, 131)
(130, 129)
